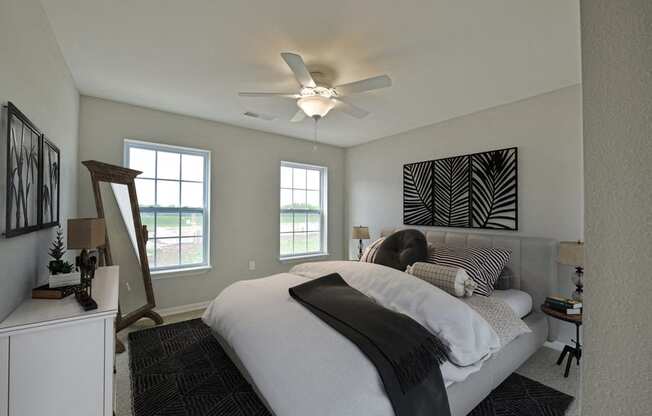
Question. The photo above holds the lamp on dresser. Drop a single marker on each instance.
(360, 233)
(571, 253)
(85, 234)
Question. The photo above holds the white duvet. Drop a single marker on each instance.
(304, 367)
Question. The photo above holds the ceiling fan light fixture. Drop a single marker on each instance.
(316, 105)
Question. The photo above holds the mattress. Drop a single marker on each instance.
(520, 302)
(465, 395)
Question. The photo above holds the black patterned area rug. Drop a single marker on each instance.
(181, 370)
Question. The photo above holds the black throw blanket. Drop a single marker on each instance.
(405, 354)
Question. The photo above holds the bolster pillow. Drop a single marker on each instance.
(450, 279)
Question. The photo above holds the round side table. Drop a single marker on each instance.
(572, 351)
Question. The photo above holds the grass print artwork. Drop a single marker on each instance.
(32, 176)
(22, 174)
(49, 184)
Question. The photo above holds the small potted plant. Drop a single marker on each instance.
(61, 272)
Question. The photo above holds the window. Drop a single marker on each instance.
(303, 221)
(173, 195)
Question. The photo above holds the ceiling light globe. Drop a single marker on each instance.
(316, 105)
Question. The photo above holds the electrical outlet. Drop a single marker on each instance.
(252, 265)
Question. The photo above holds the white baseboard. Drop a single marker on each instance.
(555, 345)
(174, 310)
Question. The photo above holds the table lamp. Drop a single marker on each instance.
(571, 253)
(86, 234)
(360, 233)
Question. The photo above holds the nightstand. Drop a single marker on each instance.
(572, 351)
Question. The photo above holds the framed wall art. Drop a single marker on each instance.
(479, 190)
(50, 175)
(33, 176)
(23, 142)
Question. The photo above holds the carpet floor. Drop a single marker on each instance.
(221, 389)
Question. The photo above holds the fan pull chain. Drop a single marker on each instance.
(314, 145)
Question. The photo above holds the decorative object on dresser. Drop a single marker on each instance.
(85, 234)
(47, 292)
(360, 233)
(62, 273)
(574, 351)
(571, 253)
(32, 200)
(116, 202)
(56, 359)
(471, 191)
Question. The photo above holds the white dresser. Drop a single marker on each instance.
(56, 359)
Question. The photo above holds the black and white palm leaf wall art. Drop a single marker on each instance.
(470, 191)
(493, 189)
(451, 177)
(418, 193)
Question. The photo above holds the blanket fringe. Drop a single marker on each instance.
(414, 367)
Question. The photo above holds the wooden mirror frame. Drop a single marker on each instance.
(104, 172)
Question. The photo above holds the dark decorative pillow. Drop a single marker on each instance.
(482, 264)
(369, 253)
(504, 281)
(402, 249)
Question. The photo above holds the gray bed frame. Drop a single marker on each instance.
(534, 268)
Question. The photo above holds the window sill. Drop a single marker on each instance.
(302, 257)
(190, 271)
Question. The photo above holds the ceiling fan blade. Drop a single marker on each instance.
(350, 109)
(301, 73)
(299, 116)
(269, 94)
(374, 83)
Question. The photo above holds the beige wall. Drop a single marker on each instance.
(547, 130)
(617, 60)
(244, 188)
(34, 76)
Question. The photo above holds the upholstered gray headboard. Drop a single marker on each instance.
(532, 261)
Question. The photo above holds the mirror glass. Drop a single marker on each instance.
(121, 233)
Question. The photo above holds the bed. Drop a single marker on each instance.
(532, 264)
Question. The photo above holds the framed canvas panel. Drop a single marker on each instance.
(23, 147)
(50, 180)
(418, 193)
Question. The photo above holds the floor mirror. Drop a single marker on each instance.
(126, 241)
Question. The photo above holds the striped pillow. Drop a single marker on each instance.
(369, 253)
(482, 264)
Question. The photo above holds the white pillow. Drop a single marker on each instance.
(450, 279)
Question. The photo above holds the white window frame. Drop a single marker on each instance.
(206, 236)
(323, 200)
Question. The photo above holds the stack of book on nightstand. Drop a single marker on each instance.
(564, 305)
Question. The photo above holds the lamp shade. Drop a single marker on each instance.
(86, 233)
(360, 233)
(571, 253)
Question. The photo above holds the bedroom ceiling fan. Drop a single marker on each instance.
(317, 97)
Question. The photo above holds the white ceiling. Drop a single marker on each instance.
(446, 58)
